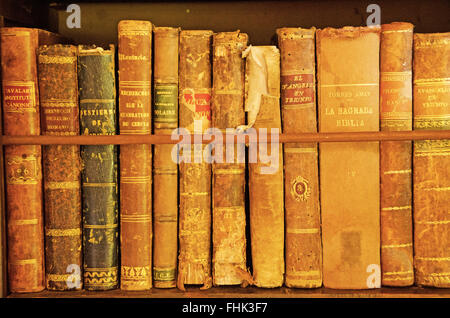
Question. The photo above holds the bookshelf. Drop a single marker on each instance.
(257, 18)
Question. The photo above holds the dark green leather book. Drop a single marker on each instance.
(97, 94)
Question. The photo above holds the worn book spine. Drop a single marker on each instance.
(228, 185)
(97, 100)
(165, 120)
(301, 170)
(348, 101)
(58, 92)
(23, 173)
(135, 75)
(431, 163)
(266, 172)
(3, 266)
(194, 260)
(396, 156)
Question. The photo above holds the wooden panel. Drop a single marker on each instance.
(249, 292)
(257, 18)
(283, 138)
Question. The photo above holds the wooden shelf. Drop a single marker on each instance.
(283, 138)
(249, 292)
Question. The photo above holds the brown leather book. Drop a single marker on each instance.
(229, 242)
(23, 171)
(431, 163)
(301, 170)
(194, 260)
(348, 99)
(58, 90)
(135, 74)
(395, 156)
(262, 75)
(165, 170)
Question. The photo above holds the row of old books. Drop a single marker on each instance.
(186, 224)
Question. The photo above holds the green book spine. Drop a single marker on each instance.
(99, 174)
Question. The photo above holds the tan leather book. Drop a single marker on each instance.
(265, 178)
(348, 99)
(135, 75)
(301, 169)
(194, 259)
(165, 170)
(396, 156)
(431, 163)
(23, 170)
(58, 90)
(228, 192)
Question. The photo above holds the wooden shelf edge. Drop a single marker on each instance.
(249, 292)
(283, 138)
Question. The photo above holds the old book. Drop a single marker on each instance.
(165, 200)
(262, 75)
(194, 260)
(3, 266)
(135, 75)
(348, 101)
(97, 94)
(58, 90)
(431, 163)
(395, 156)
(301, 170)
(228, 185)
(23, 173)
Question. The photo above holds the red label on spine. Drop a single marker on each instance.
(297, 89)
(19, 97)
(199, 103)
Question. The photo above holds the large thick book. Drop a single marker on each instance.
(262, 75)
(23, 172)
(58, 90)
(301, 169)
(97, 98)
(194, 260)
(431, 163)
(165, 120)
(135, 75)
(396, 156)
(348, 101)
(228, 185)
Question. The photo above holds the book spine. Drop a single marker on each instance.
(165, 169)
(431, 177)
(99, 174)
(3, 265)
(23, 174)
(266, 176)
(348, 100)
(301, 171)
(58, 90)
(228, 192)
(135, 75)
(194, 260)
(396, 156)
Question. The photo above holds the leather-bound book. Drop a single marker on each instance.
(97, 98)
(301, 170)
(395, 156)
(165, 196)
(135, 74)
(194, 259)
(228, 192)
(431, 163)
(348, 101)
(23, 172)
(58, 90)
(262, 75)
